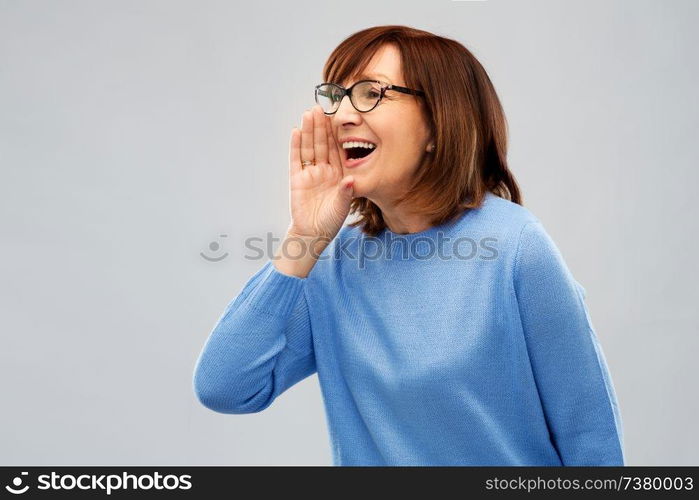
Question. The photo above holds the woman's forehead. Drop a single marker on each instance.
(370, 75)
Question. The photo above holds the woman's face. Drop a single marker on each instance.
(397, 126)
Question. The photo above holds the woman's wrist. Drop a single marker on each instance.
(297, 254)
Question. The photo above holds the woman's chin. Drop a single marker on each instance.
(357, 191)
(360, 188)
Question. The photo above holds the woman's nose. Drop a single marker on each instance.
(346, 113)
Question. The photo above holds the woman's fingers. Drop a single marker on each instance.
(333, 148)
(320, 135)
(295, 151)
(307, 150)
(315, 141)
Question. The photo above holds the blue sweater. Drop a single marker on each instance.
(468, 343)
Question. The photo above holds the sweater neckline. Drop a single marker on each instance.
(431, 231)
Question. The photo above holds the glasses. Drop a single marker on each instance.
(364, 95)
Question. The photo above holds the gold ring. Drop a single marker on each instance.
(305, 163)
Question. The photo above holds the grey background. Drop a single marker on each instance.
(134, 133)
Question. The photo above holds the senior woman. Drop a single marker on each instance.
(443, 323)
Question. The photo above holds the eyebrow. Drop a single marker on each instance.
(373, 76)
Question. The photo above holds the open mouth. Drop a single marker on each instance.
(357, 150)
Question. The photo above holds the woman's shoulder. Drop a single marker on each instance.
(495, 217)
(501, 209)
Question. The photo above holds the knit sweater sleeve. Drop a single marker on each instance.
(568, 364)
(260, 346)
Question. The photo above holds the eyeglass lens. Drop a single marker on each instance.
(365, 96)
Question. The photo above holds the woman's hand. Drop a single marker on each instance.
(320, 195)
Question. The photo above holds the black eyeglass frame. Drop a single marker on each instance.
(348, 92)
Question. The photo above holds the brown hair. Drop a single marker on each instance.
(465, 115)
